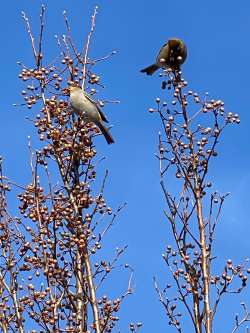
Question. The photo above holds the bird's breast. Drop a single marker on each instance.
(84, 107)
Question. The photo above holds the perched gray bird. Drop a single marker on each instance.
(171, 55)
(89, 110)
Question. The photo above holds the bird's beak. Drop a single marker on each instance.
(66, 91)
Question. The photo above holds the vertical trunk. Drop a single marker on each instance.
(204, 263)
(81, 306)
(92, 292)
(197, 316)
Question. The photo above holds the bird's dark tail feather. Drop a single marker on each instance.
(106, 134)
(150, 69)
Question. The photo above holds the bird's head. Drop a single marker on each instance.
(69, 90)
(175, 43)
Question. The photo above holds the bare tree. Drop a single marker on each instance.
(188, 142)
(51, 270)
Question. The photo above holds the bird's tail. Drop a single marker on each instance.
(106, 133)
(150, 69)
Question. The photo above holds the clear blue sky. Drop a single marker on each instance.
(217, 36)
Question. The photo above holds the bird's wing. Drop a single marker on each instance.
(161, 49)
(102, 114)
(103, 117)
